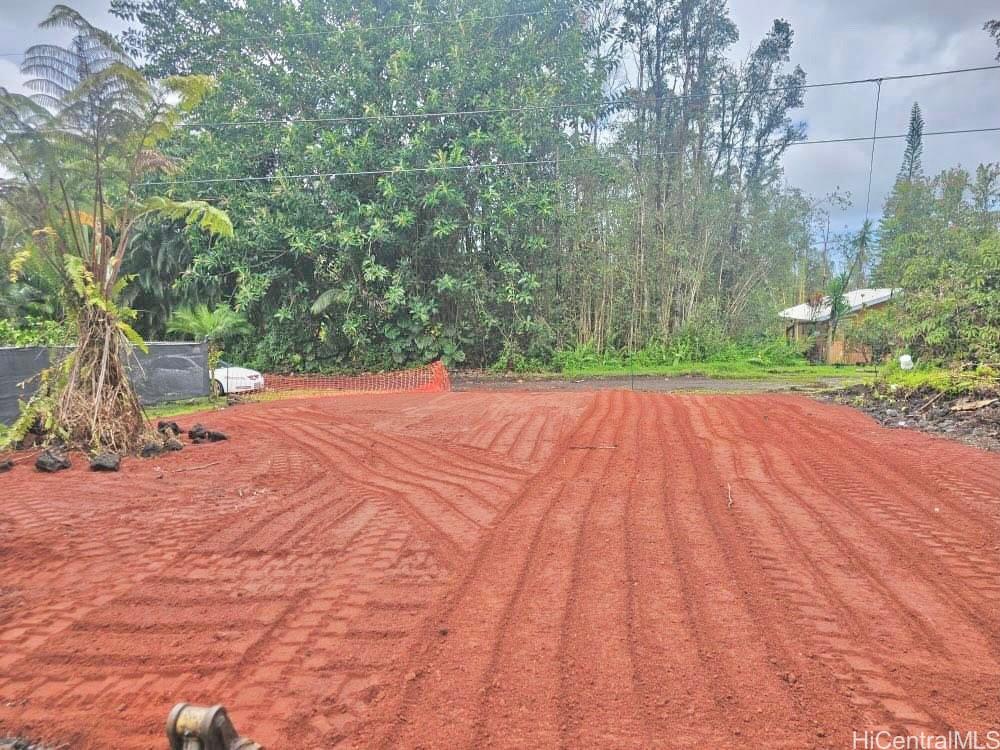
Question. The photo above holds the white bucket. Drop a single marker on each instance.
(905, 362)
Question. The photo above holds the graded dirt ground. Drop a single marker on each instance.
(511, 569)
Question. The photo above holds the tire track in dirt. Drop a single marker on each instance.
(736, 639)
(531, 638)
(422, 470)
(606, 596)
(403, 466)
(917, 478)
(108, 652)
(759, 471)
(433, 455)
(446, 547)
(596, 649)
(826, 600)
(959, 474)
(885, 504)
(452, 523)
(443, 704)
(915, 586)
(678, 708)
(896, 467)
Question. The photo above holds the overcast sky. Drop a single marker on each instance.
(834, 40)
(848, 39)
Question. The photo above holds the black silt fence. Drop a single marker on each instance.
(169, 372)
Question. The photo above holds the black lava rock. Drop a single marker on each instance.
(50, 461)
(6, 465)
(172, 444)
(201, 434)
(152, 448)
(105, 462)
(29, 441)
(14, 743)
(168, 428)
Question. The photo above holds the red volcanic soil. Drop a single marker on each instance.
(461, 570)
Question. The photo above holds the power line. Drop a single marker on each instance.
(871, 162)
(892, 137)
(905, 76)
(529, 162)
(344, 119)
(568, 105)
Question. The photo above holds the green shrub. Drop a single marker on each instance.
(32, 332)
(877, 332)
(585, 357)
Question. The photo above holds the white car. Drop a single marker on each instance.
(229, 379)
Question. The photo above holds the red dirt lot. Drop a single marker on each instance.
(606, 570)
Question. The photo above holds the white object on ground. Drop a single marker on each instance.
(231, 379)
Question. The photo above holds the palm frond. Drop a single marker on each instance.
(193, 213)
(63, 16)
(205, 324)
(324, 300)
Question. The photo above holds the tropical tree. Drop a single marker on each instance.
(944, 252)
(836, 294)
(452, 179)
(911, 168)
(403, 256)
(210, 325)
(79, 150)
(862, 244)
(874, 334)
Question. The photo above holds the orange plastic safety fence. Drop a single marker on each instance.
(432, 378)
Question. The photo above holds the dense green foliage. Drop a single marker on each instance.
(212, 325)
(73, 154)
(940, 243)
(650, 208)
(876, 333)
(207, 324)
(522, 185)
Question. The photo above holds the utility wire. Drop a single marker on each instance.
(529, 162)
(867, 138)
(871, 161)
(604, 104)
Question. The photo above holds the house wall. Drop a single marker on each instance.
(836, 352)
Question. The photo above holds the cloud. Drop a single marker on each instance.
(847, 39)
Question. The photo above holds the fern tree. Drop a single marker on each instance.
(78, 152)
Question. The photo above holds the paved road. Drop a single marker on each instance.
(647, 383)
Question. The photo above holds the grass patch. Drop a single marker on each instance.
(692, 355)
(188, 406)
(953, 382)
(726, 370)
